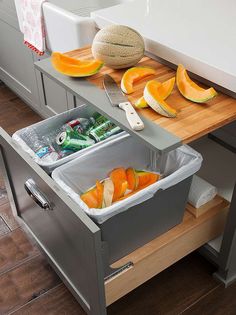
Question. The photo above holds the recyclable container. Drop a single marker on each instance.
(132, 222)
(45, 127)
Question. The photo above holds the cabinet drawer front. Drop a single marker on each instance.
(8, 12)
(64, 232)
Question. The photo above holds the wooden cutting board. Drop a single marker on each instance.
(193, 120)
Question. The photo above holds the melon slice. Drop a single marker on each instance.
(132, 178)
(156, 102)
(146, 178)
(164, 90)
(100, 189)
(133, 75)
(94, 196)
(108, 193)
(120, 188)
(118, 177)
(90, 198)
(118, 174)
(141, 103)
(191, 90)
(75, 67)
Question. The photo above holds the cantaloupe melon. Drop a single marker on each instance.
(133, 75)
(146, 178)
(119, 179)
(132, 178)
(190, 89)
(118, 46)
(90, 197)
(164, 90)
(141, 103)
(156, 102)
(100, 189)
(75, 67)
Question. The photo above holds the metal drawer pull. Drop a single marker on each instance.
(34, 192)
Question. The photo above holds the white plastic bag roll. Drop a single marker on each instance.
(201, 192)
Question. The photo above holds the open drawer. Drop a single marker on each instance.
(72, 241)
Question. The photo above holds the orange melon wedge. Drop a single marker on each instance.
(132, 178)
(134, 191)
(190, 89)
(94, 196)
(141, 103)
(133, 75)
(100, 189)
(75, 67)
(119, 179)
(146, 178)
(91, 198)
(164, 90)
(120, 188)
(118, 174)
(155, 101)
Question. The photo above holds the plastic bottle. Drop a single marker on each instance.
(41, 146)
(81, 125)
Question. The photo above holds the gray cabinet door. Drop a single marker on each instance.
(8, 13)
(54, 99)
(74, 101)
(69, 238)
(17, 65)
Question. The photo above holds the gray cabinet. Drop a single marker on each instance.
(54, 99)
(16, 61)
(8, 13)
(18, 72)
(17, 64)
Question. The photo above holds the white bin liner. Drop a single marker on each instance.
(48, 126)
(79, 175)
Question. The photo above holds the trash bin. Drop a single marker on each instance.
(132, 222)
(47, 126)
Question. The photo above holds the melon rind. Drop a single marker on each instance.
(141, 103)
(118, 46)
(159, 105)
(65, 65)
(168, 85)
(143, 73)
(182, 78)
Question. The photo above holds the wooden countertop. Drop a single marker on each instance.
(193, 120)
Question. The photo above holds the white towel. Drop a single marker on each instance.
(33, 25)
(201, 192)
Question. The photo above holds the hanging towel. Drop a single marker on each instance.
(33, 25)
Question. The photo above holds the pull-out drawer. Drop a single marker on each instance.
(67, 236)
(72, 241)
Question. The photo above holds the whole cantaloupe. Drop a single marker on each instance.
(118, 46)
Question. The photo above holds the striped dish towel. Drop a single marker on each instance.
(33, 25)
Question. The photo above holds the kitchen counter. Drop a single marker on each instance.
(182, 31)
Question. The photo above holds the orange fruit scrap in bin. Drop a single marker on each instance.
(126, 183)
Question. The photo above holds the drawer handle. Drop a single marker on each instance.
(34, 192)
